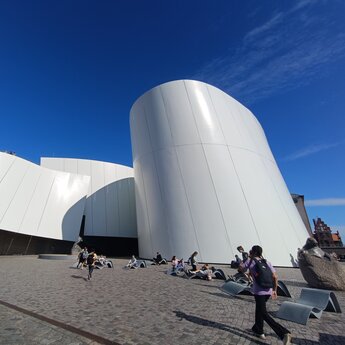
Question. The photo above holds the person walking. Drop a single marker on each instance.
(91, 263)
(82, 257)
(265, 282)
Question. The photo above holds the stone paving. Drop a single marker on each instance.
(143, 306)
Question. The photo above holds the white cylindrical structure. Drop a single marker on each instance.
(205, 178)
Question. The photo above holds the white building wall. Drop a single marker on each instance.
(110, 204)
(205, 178)
(39, 201)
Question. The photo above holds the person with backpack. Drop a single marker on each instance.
(265, 282)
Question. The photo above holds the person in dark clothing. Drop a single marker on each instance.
(262, 294)
(235, 263)
(193, 261)
(91, 263)
(82, 258)
(158, 260)
(244, 254)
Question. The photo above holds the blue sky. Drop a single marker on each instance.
(71, 70)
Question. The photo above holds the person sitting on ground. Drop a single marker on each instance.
(82, 257)
(205, 272)
(158, 260)
(102, 259)
(193, 262)
(265, 283)
(174, 263)
(244, 254)
(235, 263)
(132, 263)
(181, 264)
(100, 262)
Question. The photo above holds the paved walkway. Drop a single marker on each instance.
(49, 302)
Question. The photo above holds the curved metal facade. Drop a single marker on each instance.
(205, 178)
(40, 202)
(110, 204)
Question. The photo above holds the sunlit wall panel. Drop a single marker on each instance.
(206, 179)
(40, 202)
(110, 204)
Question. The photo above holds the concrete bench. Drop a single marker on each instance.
(233, 288)
(311, 303)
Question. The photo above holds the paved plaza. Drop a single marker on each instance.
(50, 302)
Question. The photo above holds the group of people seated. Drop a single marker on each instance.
(204, 272)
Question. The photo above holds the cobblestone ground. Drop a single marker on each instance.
(143, 306)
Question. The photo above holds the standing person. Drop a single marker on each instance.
(91, 263)
(193, 261)
(265, 282)
(82, 257)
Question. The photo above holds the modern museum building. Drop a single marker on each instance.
(203, 179)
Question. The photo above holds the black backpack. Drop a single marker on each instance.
(263, 274)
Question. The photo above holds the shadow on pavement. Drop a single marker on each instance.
(203, 322)
(325, 339)
(78, 277)
(295, 283)
(219, 294)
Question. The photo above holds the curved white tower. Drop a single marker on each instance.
(205, 178)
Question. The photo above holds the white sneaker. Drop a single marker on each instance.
(287, 339)
(261, 336)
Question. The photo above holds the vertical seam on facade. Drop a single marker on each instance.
(29, 203)
(225, 144)
(105, 200)
(159, 185)
(118, 200)
(181, 175)
(91, 198)
(14, 195)
(282, 204)
(281, 234)
(5, 174)
(244, 195)
(45, 205)
(208, 167)
(240, 183)
(146, 209)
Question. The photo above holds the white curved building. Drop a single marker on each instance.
(44, 209)
(40, 209)
(205, 178)
(110, 214)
